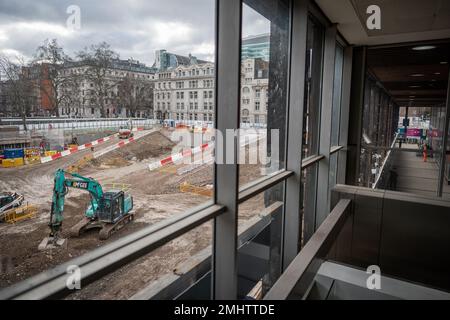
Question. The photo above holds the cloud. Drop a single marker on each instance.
(133, 28)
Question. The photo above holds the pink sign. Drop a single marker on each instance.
(414, 132)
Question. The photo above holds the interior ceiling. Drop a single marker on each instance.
(401, 20)
(390, 55)
(412, 77)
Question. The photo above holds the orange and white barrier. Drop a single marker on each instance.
(70, 151)
(178, 156)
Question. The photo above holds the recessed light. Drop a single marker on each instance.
(437, 73)
(416, 75)
(412, 96)
(414, 86)
(421, 48)
(444, 62)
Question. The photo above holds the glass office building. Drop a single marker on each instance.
(256, 47)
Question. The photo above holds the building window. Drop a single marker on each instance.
(257, 105)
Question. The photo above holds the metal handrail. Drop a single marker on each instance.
(297, 278)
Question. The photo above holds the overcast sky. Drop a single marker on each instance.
(133, 28)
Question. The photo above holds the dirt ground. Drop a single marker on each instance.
(153, 193)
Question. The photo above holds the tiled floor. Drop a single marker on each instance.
(415, 175)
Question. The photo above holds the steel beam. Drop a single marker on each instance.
(345, 114)
(292, 215)
(228, 74)
(325, 125)
(444, 143)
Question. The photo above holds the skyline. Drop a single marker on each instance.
(137, 32)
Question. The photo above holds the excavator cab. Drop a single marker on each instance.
(111, 206)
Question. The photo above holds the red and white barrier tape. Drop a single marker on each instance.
(70, 151)
(178, 156)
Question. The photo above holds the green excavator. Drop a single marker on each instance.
(109, 211)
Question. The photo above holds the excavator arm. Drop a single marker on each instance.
(60, 190)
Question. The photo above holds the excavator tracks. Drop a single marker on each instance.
(82, 226)
(110, 229)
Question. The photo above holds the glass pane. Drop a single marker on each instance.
(121, 94)
(309, 194)
(260, 240)
(333, 169)
(166, 265)
(313, 83)
(264, 66)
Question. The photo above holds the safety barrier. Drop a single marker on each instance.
(75, 149)
(178, 156)
(12, 163)
(22, 213)
(75, 168)
(202, 191)
(118, 186)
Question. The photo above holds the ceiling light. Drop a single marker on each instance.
(421, 48)
(433, 80)
(417, 75)
(444, 62)
(414, 86)
(437, 73)
(412, 96)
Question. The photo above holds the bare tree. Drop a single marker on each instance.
(19, 86)
(54, 80)
(135, 94)
(99, 61)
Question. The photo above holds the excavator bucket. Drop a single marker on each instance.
(49, 243)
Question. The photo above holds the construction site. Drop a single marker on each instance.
(146, 171)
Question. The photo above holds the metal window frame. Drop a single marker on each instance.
(335, 149)
(444, 143)
(308, 162)
(345, 113)
(323, 175)
(226, 175)
(298, 277)
(292, 224)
